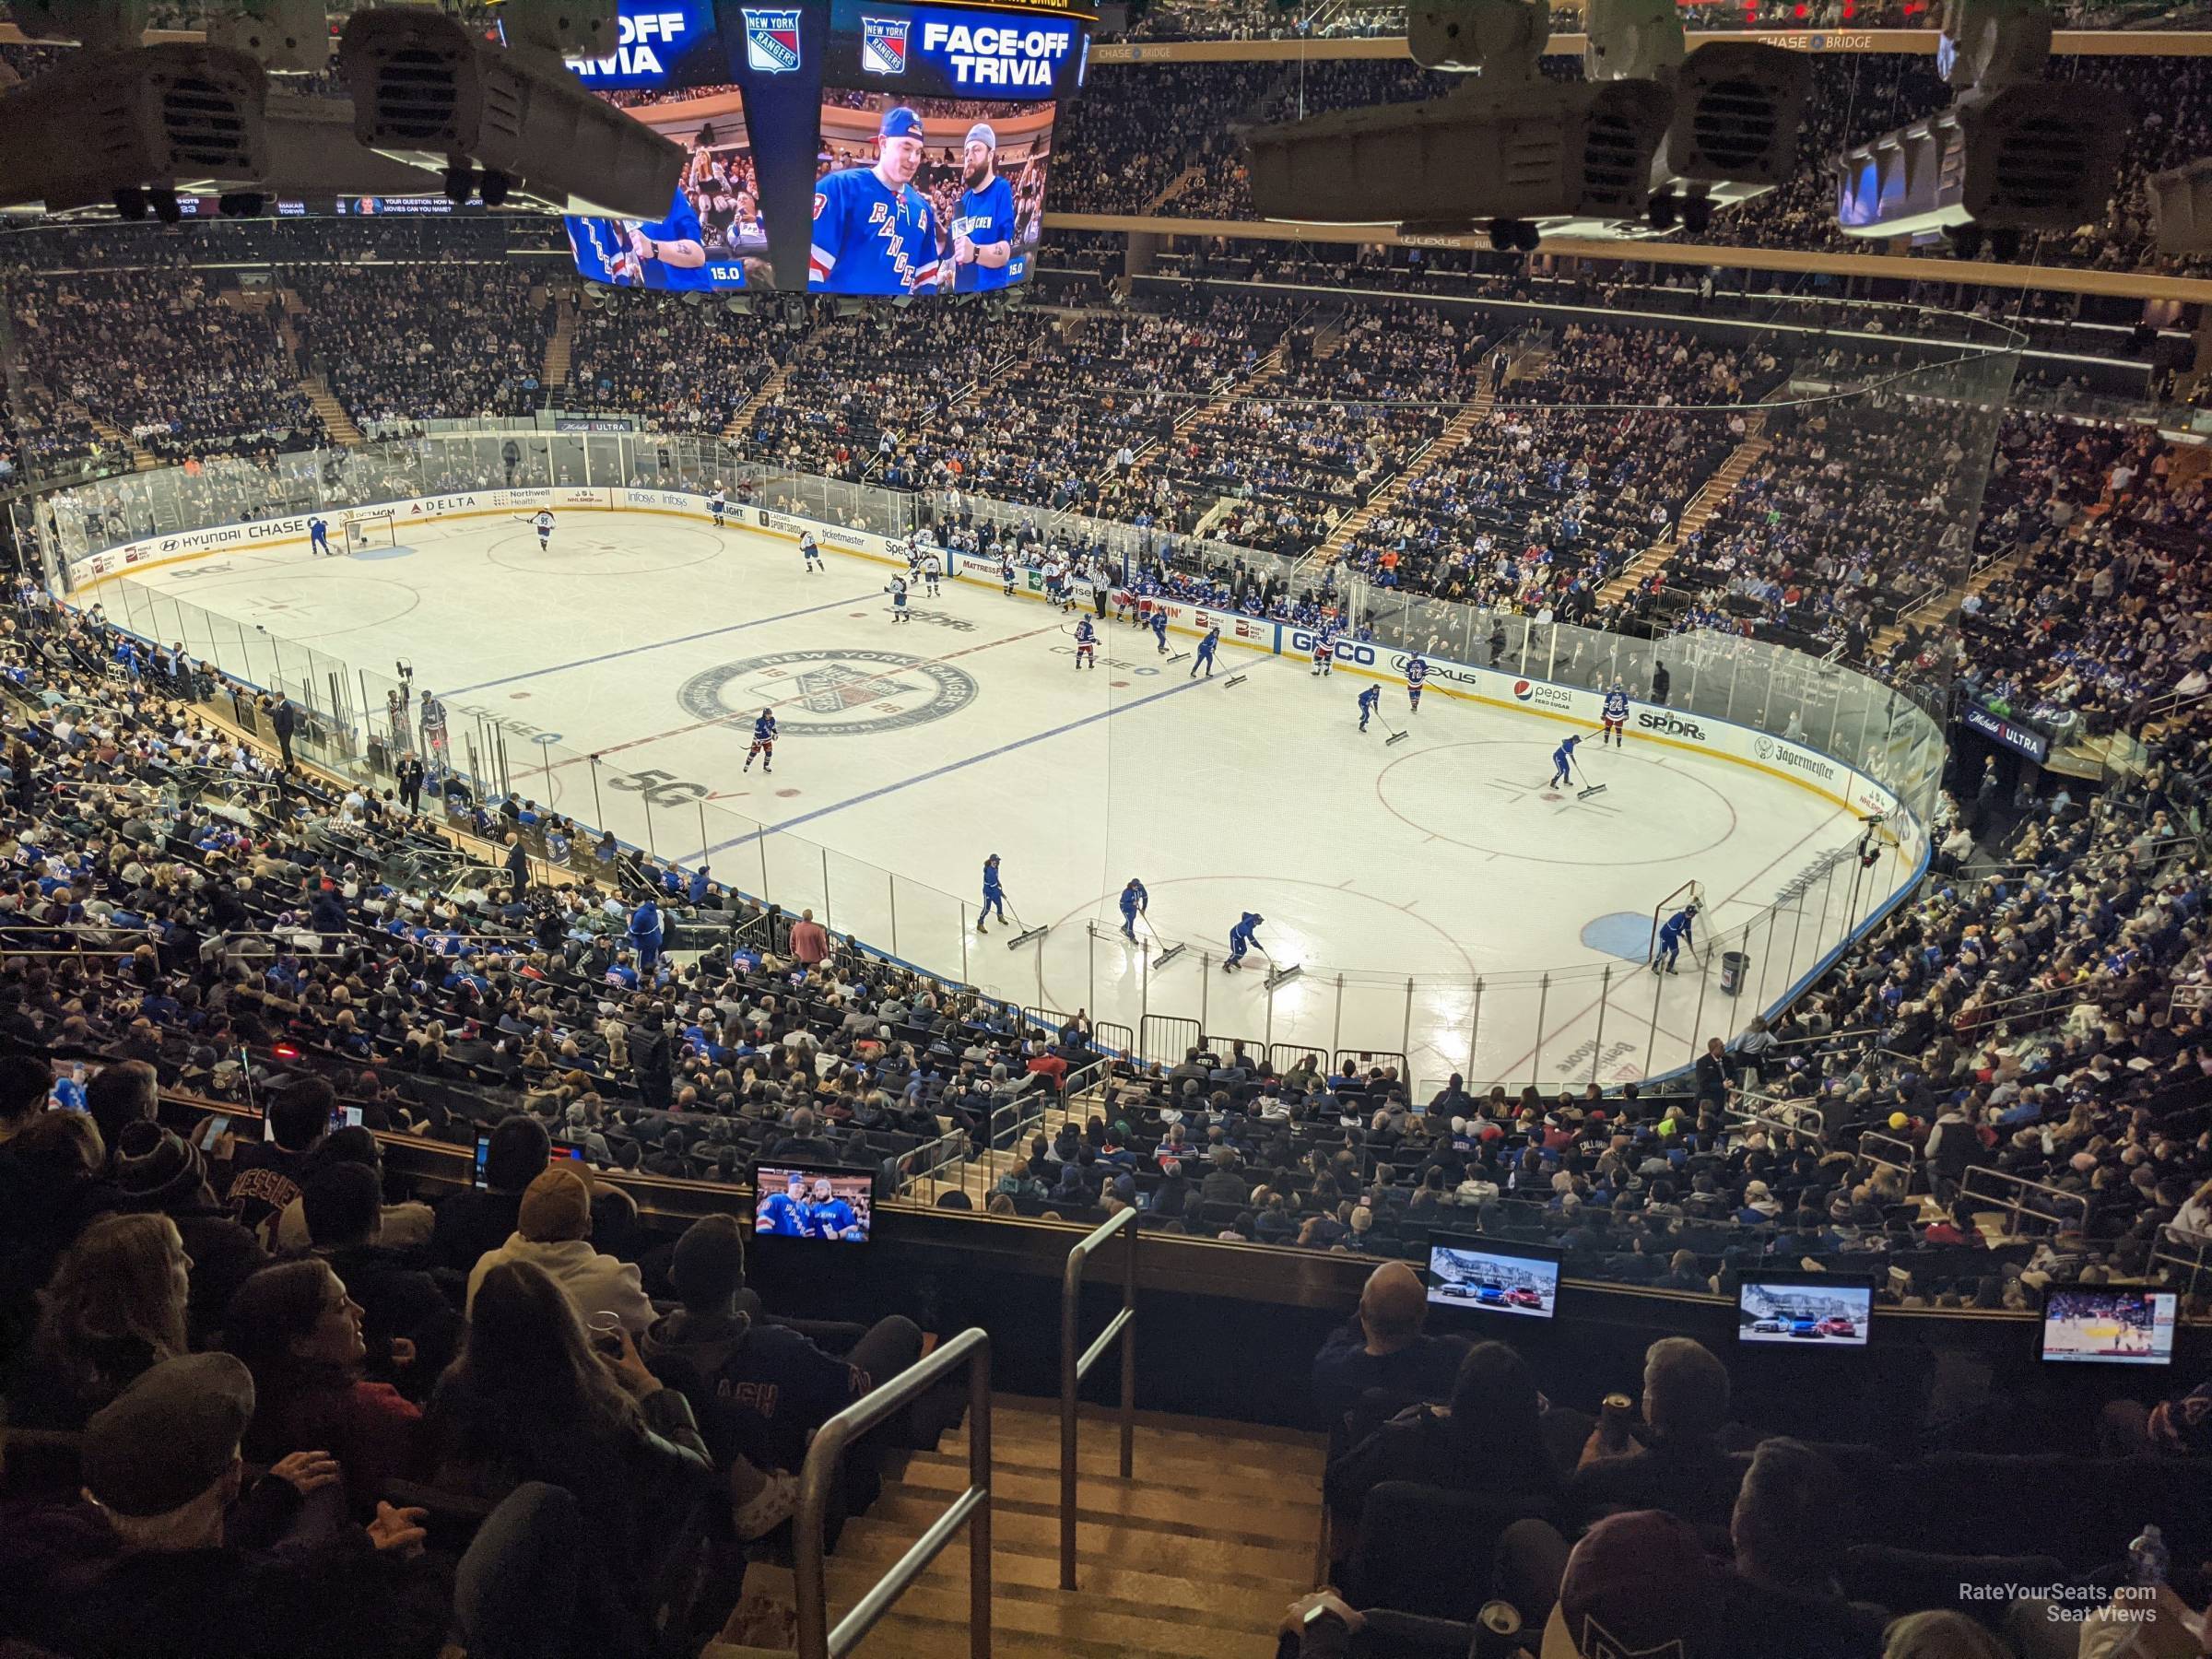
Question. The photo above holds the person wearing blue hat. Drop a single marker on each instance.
(982, 237)
(874, 232)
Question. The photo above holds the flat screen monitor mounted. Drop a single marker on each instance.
(802, 1201)
(2108, 1324)
(1490, 1275)
(1803, 1310)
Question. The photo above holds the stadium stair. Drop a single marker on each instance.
(553, 373)
(1185, 180)
(1702, 506)
(1199, 1555)
(1448, 443)
(1945, 606)
(770, 389)
(336, 421)
(142, 459)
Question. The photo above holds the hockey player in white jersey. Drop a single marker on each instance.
(1613, 728)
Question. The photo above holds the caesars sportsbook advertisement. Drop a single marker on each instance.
(845, 147)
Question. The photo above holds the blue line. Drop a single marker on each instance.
(608, 656)
(953, 766)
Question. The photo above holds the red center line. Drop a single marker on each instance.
(696, 725)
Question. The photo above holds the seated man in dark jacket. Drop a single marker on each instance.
(1680, 1467)
(759, 1390)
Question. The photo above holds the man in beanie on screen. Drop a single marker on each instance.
(553, 1229)
(982, 236)
(162, 1559)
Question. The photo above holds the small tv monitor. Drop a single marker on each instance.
(2108, 1324)
(1491, 1275)
(802, 1201)
(1803, 1310)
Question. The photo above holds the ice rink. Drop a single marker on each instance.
(1399, 877)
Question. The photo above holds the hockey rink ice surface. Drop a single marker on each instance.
(910, 751)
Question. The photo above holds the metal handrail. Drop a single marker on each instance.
(1121, 1328)
(2173, 1237)
(2014, 1205)
(1905, 1168)
(971, 1509)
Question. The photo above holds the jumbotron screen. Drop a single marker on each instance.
(856, 147)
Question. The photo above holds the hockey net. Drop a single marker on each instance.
(365, 530)
(1690, 892)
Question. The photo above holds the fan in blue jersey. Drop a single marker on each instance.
(1242, 938)
(1135, 900)
(1563, 762)
(1615, 719)
(1371, 700)
(784, 1215)
(982, 237)
(1087, 646)
(764, 743)
(645, 933)
(832, 1216)
(669, 253)
(1675, 933)
(995, 896)
(1417, 675)
(874, 232)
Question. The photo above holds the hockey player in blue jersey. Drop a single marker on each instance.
(1087, 646)
(1370, 702)
(874, 232)
(898, 593)
(717, 505)
(812, 551)
(1563, 762)
(1417, 675)
(1615, 719)
(1675, 933)
(1135, 901)
(982, 236)
(784, 1215)
(1206, 647)
(995, 896)
(318, 540)
(764, 743)
(1159, 627)
(1242, 938)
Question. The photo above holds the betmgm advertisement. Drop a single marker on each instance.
(853, 148)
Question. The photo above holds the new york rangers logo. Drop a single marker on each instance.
(883, 45)
(771, 40)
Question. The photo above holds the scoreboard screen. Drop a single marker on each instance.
(856, 147)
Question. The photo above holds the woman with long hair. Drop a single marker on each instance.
(299, 1334)
(529, 1399)
(113, 1310)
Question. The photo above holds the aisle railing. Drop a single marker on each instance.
(1121, 1328)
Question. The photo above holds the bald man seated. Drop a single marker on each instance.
(1383, 1348)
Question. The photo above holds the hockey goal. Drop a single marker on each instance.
(366, 530)
(1690, 892)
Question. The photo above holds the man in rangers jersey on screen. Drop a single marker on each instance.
(874, 232)
(982, 237)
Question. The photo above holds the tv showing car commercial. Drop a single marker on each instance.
(1489, 1275)
(2105, 1325)
(800, 1201)
(1803, 1310)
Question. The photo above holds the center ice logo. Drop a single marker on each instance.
(829, 693)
